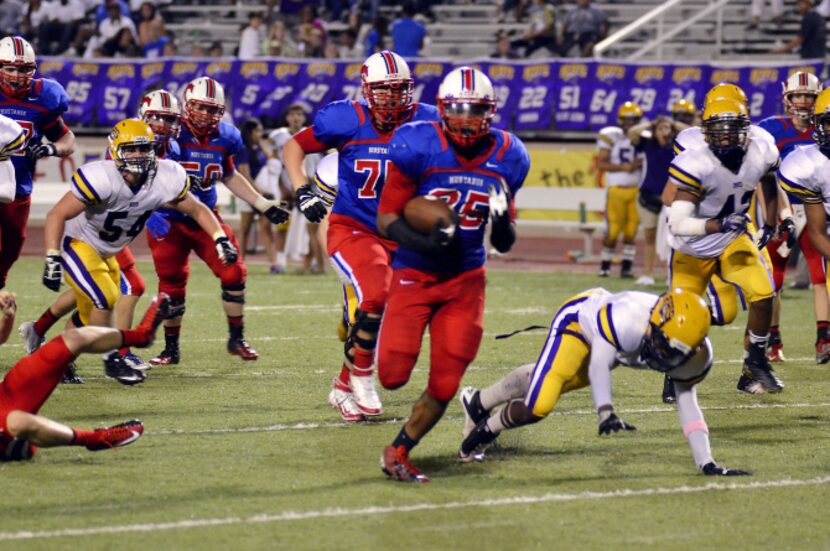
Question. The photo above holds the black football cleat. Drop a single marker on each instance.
(669, 396)
(117, 368)
(71, 377)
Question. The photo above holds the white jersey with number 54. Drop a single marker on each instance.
(116, 214)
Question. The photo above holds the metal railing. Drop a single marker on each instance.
(658, 16)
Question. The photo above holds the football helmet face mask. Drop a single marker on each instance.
(800, 93)
(17, 66)
(467, 103)
(677, 326)
(132, 147)
(161, 110)
(726, 90)
(387, 88)
(204, 105)
(629, 114)
(726, 127)
(684, 111)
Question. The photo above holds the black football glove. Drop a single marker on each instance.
(226, 251)
(310, 204)
(441, 237)
(615, 424)
(36, 150)
(764, 235)
(734, 222)
(786, 231)
(274, 211)
(203, 183)
(713, 469)
(53, 272)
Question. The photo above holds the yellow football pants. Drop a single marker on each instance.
(621, 213)
(95, 280)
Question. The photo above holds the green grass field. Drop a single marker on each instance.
(250, 455)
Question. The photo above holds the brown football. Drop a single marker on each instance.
(421, 213)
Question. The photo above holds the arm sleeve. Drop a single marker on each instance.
(682, 223)
(603, 357)
(693, 424)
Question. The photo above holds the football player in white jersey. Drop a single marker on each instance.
(592, 333)
(12, 139)
(708, 224)
(805, 173)
(106, 208)
(617, 158)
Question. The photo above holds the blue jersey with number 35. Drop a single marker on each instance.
(423, 154)
(209, 159)
(364, 155)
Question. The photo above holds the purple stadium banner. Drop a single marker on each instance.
(576, 95)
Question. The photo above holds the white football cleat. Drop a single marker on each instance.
(644, 280)
(342, 400)
(30, 337)
(365, 395)
(465, 397)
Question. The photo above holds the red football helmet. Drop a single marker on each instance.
(17, 66)
(160, 109)
(387, 87)
(467, 103)
(204, 105)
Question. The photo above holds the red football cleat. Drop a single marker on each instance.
(775, 353)
(117, 436)
(395, 463)
(823, 351)
(241, 348)
(167, 357)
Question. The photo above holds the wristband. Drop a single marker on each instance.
(218, 235)
(261, 204)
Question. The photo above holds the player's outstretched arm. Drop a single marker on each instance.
(242, 188)
(603, 357)
(210, 224)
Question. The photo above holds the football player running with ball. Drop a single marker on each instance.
(439, 278)
(361, 131)
(590, 334)
(36, 105)
(106, 208)
(208, 145)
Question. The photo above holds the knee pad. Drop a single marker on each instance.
(362, 322)
(18, 450)
(177, 309)
(236, 299)
(76, 319)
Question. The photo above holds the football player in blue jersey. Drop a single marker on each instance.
(438, 278)
(208, 146)
(790, 131)
(361, 131)
(37, 106)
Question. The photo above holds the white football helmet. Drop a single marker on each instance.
(204, 105)
(17, 66)
(160, 109)
(387, 87)
(808, 87)
(467, 103)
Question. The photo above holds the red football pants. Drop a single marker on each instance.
(363, 259)
(454, 310)
(131, 281)
(170, 256)
(815, 262)
(13, 218)
(31, 381)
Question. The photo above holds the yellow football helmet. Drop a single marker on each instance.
(678, 324)
(726, 127)
(132, 147)
(684, 111)
(726, 90)
(629, 114)
(821, 116)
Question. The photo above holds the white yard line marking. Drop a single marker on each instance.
(451, 418)
(290, 516)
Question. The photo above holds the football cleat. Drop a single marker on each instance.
(763, 375)
(342, 400)
(604, 273)
(476, 455)
(241, 348)
(823, 351)
(71, 377)
(775, 353)
(168, 356)
(116, 368)
(470, 418)
(118, 436)
(669, 396)
(135, 362)
(745, 384)
(365, 395)
(30, 337)
(395, 463)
